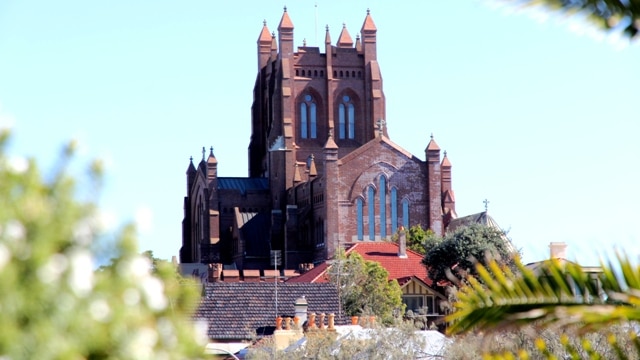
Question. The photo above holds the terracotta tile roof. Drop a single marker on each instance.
(242, 311)
(285, 22)
(368, 23)
(345, 39)
(385, 253)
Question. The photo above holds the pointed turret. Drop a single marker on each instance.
(345, 41)
(368, 32)
(328, 50)
(358, 44)
(212, 166)
(264, 46)
(285, 30)
(448, 197)
(434, 184)
(296, 174)
(274, 46)
(191, 174)
(313, 172)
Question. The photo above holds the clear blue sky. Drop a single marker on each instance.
(540, 116)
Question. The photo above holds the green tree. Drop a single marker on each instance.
(364, 287)
(420, 240)
(455, 256)
(559, 297)
(53, 304)
(615, 15)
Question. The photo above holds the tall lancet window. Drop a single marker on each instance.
(372, 215)
(394, 210)
(405, 213)
(383, 207)
(308, 118)
(346, 118)
(359, 218)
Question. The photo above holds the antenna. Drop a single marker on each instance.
(315, 28)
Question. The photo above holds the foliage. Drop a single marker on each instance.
(526, 340)
(420, 240)
(459, 251)
(559, 297)
(615, 15)
(53, 304)
(399, 342)
(364, 287)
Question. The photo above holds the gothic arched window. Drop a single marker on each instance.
(359, 218)
(308, 118)
(346, 118)
(383, 207)
(405, 213)
(372, 214)
(394, 210)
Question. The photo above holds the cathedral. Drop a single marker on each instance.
(323, 172)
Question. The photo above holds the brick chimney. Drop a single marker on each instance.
(558, 250)
(402, 243)
(301, 307)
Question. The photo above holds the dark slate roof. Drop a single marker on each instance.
(243, 184)
(244, 310)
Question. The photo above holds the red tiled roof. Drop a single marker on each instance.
(386, 254)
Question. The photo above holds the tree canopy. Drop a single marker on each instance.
(613, 15)
(457, 254)
(54, 304)
(364, 287)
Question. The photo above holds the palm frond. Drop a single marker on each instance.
(558, 293)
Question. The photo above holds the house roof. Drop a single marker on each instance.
(482, 218)
(383, 252)
(237, 311)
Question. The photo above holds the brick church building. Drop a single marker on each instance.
(323, 172)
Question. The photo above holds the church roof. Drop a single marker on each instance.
(243, 184)
(372, 143)
(482, 218)
(254, 228)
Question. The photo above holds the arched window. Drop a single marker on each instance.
(308, 118)
(383, 207)
(394, 210)
(372, 217)
(359, 218)
(346, 118)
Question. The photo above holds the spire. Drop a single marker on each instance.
(285, 22)
(345, 41)
(312, 166)
(211, 159)
(369, 25)
(358, 43)
(191, 168)
(327, 37)
(265, 34)
(433, 146)
(330, 144)
(296, 174)
(445, 160)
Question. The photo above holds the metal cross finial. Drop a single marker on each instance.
(486, 205)
(431, 136)
(368, 11)
(344, 25)
(211, 151)
(445, 153)
(304, 42)
(381, 123)
(264, 22)
(203, 151)
(285, 8)
(191, 158)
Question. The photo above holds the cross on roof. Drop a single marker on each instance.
(486, 205)
(381, 123)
